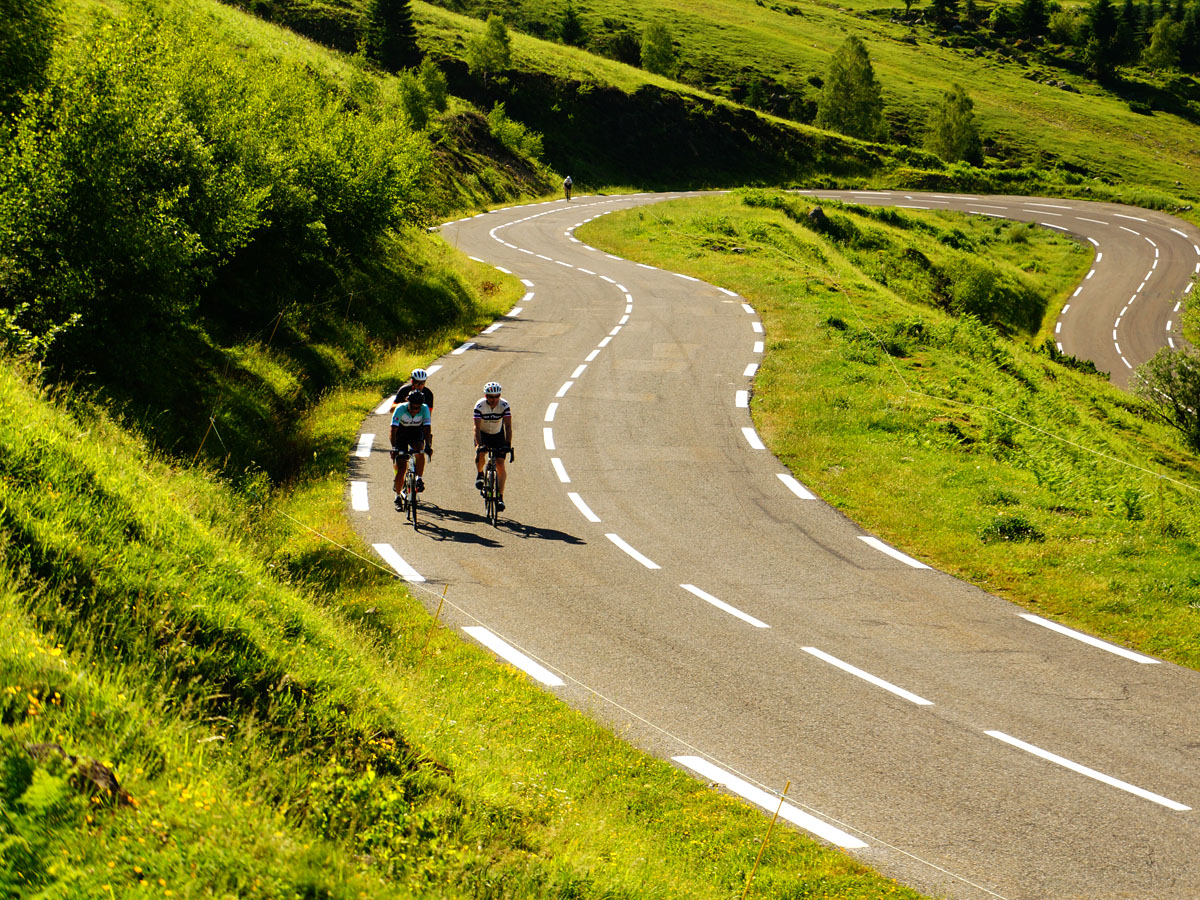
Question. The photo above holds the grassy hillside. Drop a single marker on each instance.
(909, 382)
(207, 687)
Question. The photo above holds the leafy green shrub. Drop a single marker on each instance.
(1010, 528)
(513, 134)
(165, 182)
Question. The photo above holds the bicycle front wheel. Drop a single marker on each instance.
(490, 496)
(412, 499)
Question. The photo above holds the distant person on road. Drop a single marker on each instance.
(567, 182)
(493, 428)
(416, 383)
(412, 430)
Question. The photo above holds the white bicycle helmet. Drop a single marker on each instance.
(420, 375)
(492, 389)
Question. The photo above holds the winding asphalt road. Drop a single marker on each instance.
(662, 571)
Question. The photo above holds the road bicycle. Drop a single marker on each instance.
(490, 491)
(408, 499)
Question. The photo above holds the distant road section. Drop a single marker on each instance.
(1128, 305)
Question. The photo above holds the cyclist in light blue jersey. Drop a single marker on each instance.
(412, 429)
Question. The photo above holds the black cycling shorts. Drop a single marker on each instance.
(411, 437)
(492, 440)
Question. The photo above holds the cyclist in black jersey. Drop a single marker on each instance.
(416, 383)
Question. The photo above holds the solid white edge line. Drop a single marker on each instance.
(796, 487)
(511, 654)
(891, 551)
(1090, 773)
(741, 399)
(753, 438)
(560, 470)
(770, 803)
(724, 607)
(358, 496)
(867, 676)
(393, 559)
(644, 560)
(1088, 639)
(548, 438)
(363, 450)
(583, 507)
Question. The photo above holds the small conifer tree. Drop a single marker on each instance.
(572, 30)
(391, 39)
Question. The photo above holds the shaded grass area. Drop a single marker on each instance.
(950, 428)
(285, 720)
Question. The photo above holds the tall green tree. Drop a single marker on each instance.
(1129, 31)
(1165, 40)
(391, 38)
(1101, 53)
(851, 100)
(490, 53)
(27, 29)
(1189, 45)
(658, 50)
(1033, 17)
(951, 131)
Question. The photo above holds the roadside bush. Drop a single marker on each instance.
(162, 182)
(1010, 528)
(514, 135)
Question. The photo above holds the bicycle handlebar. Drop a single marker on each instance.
(496, 452)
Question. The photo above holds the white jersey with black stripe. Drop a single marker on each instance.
(491, 420)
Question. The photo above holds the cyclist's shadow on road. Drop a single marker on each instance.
(435, 515)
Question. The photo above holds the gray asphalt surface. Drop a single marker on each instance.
(743, 629)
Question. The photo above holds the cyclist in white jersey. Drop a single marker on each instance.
(412, 429)
(493, 428)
